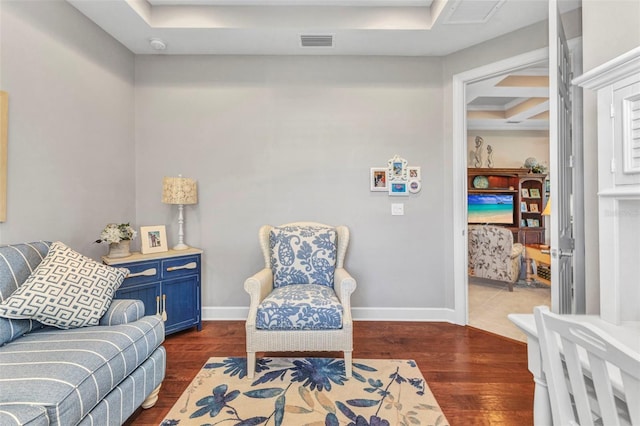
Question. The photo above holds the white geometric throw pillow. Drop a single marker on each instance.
(66, 290)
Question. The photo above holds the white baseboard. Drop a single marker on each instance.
(359, 314)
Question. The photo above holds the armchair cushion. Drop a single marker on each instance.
(300, 307)
(302, 255)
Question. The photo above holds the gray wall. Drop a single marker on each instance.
(610, 29)
(278, 139)
(71, 151)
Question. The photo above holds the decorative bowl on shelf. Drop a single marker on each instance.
(480, 182)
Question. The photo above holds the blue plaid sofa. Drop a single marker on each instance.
(94, 375)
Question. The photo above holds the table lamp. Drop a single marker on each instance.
(547, 208)
(179, 190)
(547, 212)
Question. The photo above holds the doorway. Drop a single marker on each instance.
(461, 83)
(508, 190)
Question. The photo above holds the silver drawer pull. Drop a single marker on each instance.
(190, 265)
(146, 273)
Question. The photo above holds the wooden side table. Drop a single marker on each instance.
(168, 283)
(541, 254)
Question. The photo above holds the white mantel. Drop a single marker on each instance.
(617, 83)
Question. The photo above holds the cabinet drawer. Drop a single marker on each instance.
(142, 272)
(179, 266)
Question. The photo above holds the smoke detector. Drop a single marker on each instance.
(157, 44)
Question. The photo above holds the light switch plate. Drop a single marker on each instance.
(397, 209)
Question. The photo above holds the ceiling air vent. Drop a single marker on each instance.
(316, 40)
(472, 11)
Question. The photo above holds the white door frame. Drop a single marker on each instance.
(460, 81)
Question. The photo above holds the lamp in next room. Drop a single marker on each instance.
(179, 190)
(547, 212)
(547, 208)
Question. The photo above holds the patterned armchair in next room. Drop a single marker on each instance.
(301, 301)
(493, 254)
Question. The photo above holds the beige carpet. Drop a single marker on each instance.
(307, 391)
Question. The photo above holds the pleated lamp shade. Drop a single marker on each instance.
(179, 190)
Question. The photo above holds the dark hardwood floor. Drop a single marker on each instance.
(477, 377)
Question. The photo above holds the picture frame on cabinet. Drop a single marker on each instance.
(524, 192)
(523, 206)
(533, 207)
(534, 193)
(153, 239)
(523, 223)
(378, 179)
(533, 223)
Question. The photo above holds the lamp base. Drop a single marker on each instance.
(180, 246)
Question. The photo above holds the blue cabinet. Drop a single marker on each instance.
(167, 283)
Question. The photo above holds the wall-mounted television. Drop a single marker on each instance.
(491, 208)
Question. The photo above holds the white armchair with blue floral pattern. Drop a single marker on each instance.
(301, 299)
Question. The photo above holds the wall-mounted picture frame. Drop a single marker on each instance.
(397, 167)
(534, 193)
(414, 173)
(378, 179)
(523, 206)
(524, 192)
(153, 239)
(415, 186)
(533, 207)
(398, 188)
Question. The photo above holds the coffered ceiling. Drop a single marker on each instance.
(516, 101)
(275, 27)
(342, 27)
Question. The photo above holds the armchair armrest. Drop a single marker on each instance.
(258, 286)
(516, 250)
(123, 311)
(344, 285)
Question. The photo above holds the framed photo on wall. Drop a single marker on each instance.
(378, 179)
(398, 188)
(153, 239)
(414, 173)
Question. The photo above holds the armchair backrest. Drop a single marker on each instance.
(303, 252)
(490, 251)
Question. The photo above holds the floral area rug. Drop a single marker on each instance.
(307, 391)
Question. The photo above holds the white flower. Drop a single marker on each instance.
(114, 233)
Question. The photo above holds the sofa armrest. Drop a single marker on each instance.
(123, 311)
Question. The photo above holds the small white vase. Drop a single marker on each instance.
(121, 249)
